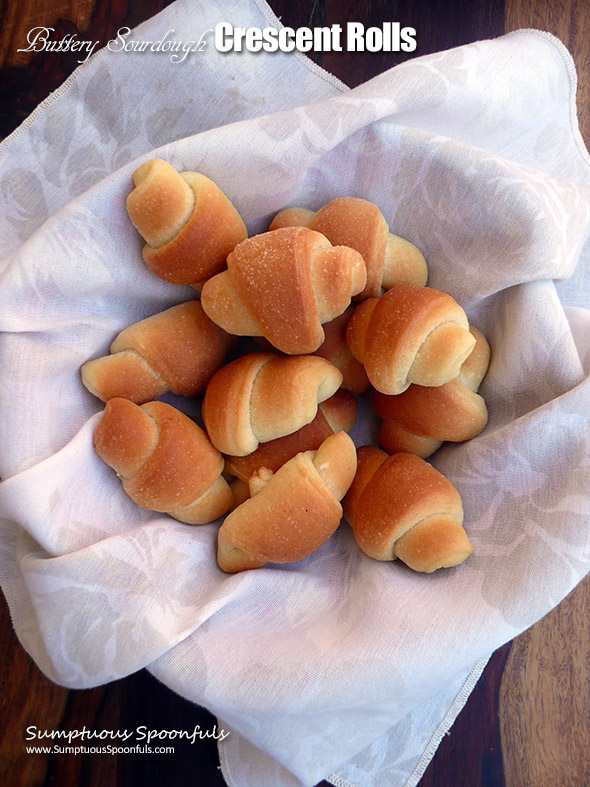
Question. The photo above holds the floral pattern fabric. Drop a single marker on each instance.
(471, 154)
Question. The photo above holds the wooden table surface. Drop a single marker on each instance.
(527, 723)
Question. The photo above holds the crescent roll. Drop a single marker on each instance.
(358, 223)
(335, 349)
(284, 285)
(410, 335)
(187, 222)
(290, 513)
(420, 419)
(176, 350)
(401, 507)
(262, 396)
(165, 461)
(336, 414)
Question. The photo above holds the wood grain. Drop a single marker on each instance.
(527, 723)
(544, 703)
(544, 700)
(473, 746)
(26, 697)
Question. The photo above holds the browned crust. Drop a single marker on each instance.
(226, 404)
(292, 217)
(421, 418)
(166, 461)
(359, 224)
(398, 494)
(287, 391)
(293, 512)
(181, 343)
(200, 249)
(263, 396)
(337, 273)
(355, 222)
(271, 274)
(178, 350)
(288, 519)
(335, 349)
(161, 202)
(388, 339)
(181, 469)
(369, 460)
(125, 436)
(125, 374)
(212, 504)
(476, 365)
(395, 440)
(338, 413)
(357, 328)
(447, 412)
(438, 541)
(282, 285)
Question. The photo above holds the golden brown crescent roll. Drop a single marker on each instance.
(401, 507)
(409, 335)
(420, 419)
(262, 396)
(187, 222)
(292, 512)
(336, 414)
(165, 461)
(283, 285)
(176, 350)
(335, 349)
(355, 222)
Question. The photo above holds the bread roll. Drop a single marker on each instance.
(262, 396)
(176, 350)
(420, 419)
(290, 513)
(284, 285)
(409, 335)
(240, 490)
(355, 222)
(401, 507)
(336, 414)
(187, 222)
(335, 349)
(165, 461)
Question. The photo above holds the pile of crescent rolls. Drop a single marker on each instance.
(338, 306)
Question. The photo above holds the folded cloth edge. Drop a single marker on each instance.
(262, 6)
(573, 79)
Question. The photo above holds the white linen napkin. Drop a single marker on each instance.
(337, 666)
